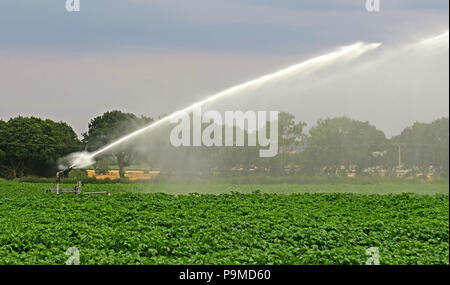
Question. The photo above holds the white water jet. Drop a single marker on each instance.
(440, 40)
(76, 160)
(84, 159)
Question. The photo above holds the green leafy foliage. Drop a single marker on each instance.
(236, 228)
(111, 126)
(340, 142)
(426, 145)
(31, 146)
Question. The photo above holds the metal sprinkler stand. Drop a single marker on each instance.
(75, 190)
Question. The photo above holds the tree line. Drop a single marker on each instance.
(333, 146)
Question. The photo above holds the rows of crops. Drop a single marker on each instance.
(258, 228)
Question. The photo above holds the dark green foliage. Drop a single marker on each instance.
(338, 142)
(3, 170)
(111, 126)
(425, 146)
(31, 146)
(333, 147)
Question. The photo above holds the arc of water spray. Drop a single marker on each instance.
(439, 39)
(348, 52)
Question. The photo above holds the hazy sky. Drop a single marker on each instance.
(155, 56)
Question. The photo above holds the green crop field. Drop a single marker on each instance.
(172, 188)
(234, 224)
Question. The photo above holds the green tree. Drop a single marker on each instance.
(290, 133)
(3, 171)
(111, 126)
(425, 146)
(341, 142)
(31, 146)
(291, 138)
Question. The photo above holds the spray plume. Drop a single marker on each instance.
(441, 39)
(83, 159)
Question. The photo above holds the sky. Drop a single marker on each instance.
(152, 57)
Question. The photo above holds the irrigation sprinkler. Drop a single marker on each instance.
(75, 190)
